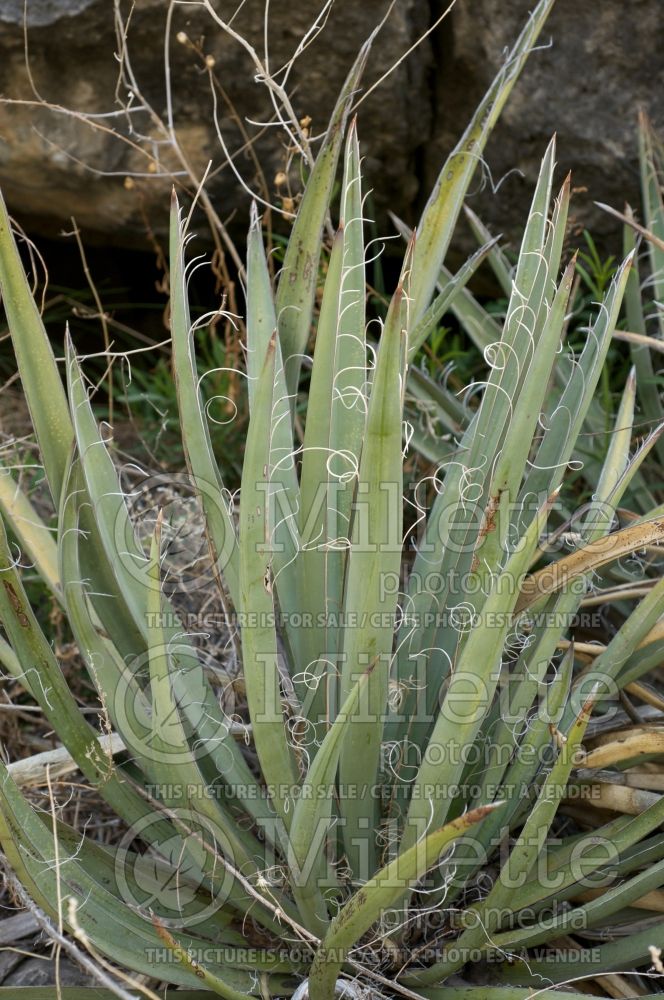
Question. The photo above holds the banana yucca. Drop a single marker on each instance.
(401, 794)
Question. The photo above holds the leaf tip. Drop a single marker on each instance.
(69, 343)
(476, 815)
(588, 704)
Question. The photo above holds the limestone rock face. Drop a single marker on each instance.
(54, 164)
(599, 62)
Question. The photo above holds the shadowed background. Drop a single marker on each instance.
(599, 64)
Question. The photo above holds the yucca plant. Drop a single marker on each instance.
(643, 300)
(394, 793)
(640, 325)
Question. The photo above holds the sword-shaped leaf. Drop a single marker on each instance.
(201, 462)
(297, 285)
(285, 500)
(259, 639)
(442, 210)
(386, 889)
(34, 537)
(44, 392)
(374, 557)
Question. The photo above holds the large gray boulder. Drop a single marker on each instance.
(598, 63)
(55, 164)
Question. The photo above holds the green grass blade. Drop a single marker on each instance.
(607, 905)
(261, 312)
(132, 715)
(600, 516)
(604, 848)
(512, 460)
(98, 993)
(608, 665)
(348, 399)
(110, 514)
(119, 689)
(454, 548)
(167, 755)
(462, 992)
(620, 954)
(553, 246)
(320, 563)
(336, 419)
(203, 973)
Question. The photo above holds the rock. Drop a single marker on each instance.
(24, 964)
(14, 928)
(598, 63)
(54, 164)
(33, 972)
